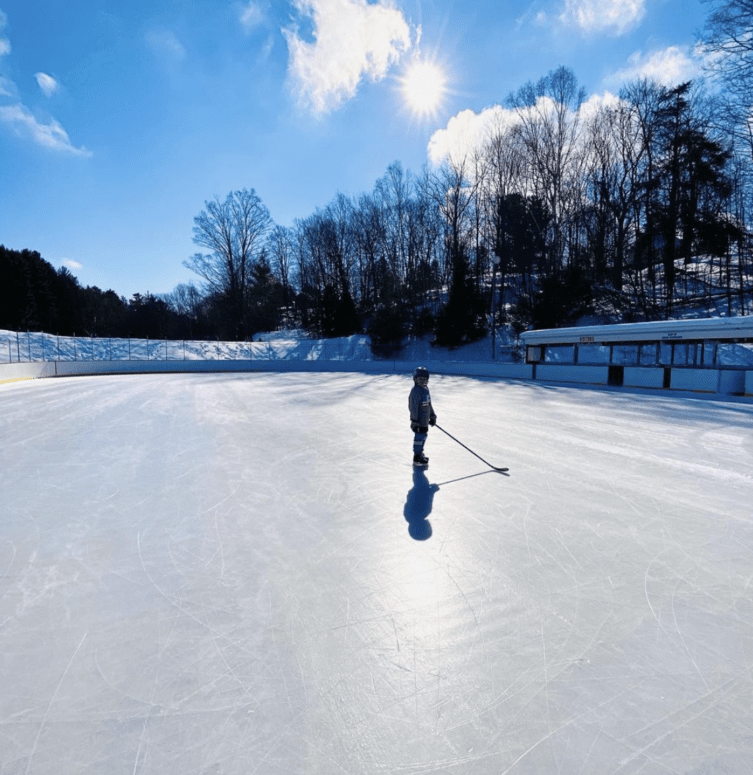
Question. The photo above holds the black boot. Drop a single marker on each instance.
(419, 459)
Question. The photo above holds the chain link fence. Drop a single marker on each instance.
(29, 347)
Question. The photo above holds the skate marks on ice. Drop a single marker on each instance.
(212, 574)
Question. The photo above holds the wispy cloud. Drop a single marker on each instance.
(7, 87)
(668, 67)
(71, 264)
(19, 119)
(47, 84)
(352, 39)
(165, 44)
(252, 15)
(615, 17)
(49, 135)
(4, 42)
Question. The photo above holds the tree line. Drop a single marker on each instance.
(34, 296)
(623, 209)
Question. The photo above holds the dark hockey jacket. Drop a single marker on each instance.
(419, 403)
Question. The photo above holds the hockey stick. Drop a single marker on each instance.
(501, 470)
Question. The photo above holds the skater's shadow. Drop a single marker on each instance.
(418, 505)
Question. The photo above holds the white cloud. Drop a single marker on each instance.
(47, 84)
(612, 16)
(50, 135)
(351, 39)
(71, 264)
(468, 132)
(668, 67)
(597, 102)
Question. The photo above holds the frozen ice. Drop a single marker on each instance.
(244, 574)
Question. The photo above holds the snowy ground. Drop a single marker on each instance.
(243, 574)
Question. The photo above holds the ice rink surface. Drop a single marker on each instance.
(244, 574)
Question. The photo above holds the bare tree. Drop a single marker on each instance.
(340, 243)
(614, 139)
(504, 166)
(728, 36)
(391, 194)
(281, 252)
(549, 127)
(234, 230)
(728, 39)
(185, 299)
(453, 190)
(370, 234)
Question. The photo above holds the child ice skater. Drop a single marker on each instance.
(421, 414)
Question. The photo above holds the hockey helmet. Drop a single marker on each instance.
(421, 373)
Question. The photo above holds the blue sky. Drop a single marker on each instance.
(120, 119)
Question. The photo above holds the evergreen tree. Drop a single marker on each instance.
(691, 183)
(461, 319)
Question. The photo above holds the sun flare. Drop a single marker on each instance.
(423, 87)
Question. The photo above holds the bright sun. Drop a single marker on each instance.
(423, 87)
